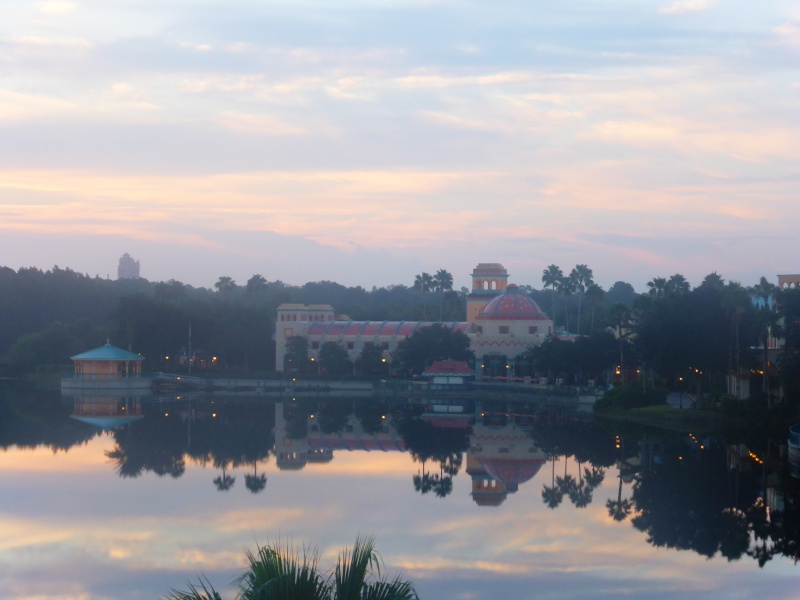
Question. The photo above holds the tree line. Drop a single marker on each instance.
(673, 334)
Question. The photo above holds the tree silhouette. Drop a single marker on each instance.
(225, 482)
(581, 276)
(551, 278)
(552, 495)
(255, 482)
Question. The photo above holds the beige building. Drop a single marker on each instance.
(502, 323)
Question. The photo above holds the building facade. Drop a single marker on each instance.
(128, 268)
(502, 323)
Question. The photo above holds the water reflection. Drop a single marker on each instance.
(713, 495)
(107, 411)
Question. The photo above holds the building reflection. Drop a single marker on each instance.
(502, 456)
(107, 411)
(501, 453)
(318, 444)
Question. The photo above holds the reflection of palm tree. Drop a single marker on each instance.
(619, 509)
(422, 481)
(225, 482)
(594, 477)
(581, 495)
(552, 495)
(255, 482)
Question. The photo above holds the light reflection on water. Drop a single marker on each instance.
(133, 512)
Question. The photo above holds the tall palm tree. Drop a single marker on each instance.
(225, 284)
(443, 281)
(566, 287)
(594, 296)
(713, 280)
(581, 275)
(551, 277)
(677, 284)
(658, 286)
(280, 572)
(423, 282)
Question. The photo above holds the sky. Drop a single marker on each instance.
(367, 141)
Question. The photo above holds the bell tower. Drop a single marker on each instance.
(488, 280)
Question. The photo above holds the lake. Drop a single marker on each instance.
(482, 499)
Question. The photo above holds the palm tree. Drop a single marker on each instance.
(594, 296)
(677, 284)
(658, 286)
(423, 282)
(551, 277)
(280, 572)
(581, 275)
(443, 281)
(566, 286)
(225, 284)
(256, 284)
(713, 280)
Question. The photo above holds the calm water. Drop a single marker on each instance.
(468, 508)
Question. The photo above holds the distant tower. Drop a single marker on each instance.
(128, 268)
(488, 280)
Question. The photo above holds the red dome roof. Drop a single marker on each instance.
(513, 305)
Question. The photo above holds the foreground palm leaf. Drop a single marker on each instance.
(280, 572)
(196, 592)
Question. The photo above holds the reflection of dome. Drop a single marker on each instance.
(489, 499)
(512, 472)
(513, 305)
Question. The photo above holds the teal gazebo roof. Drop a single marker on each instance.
(107, 352)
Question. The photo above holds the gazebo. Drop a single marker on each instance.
(106, 367)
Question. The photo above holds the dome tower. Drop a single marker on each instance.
(488, 281)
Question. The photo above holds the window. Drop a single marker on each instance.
(533, 329)
(503, 328)
(478, 328)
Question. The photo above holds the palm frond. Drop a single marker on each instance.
(390, 590)
(353, 568)
(202, 591)
(280, 571)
